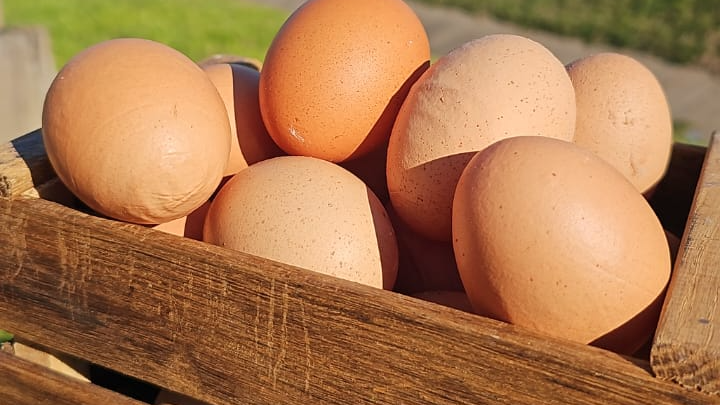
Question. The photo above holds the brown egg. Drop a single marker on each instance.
(238, 87)
(424, 264)
(486, 90)
(189, 226)
(623, 116)
(136, 131)
(309, 213)
(336, 73)
(452, 299)
(549, 236)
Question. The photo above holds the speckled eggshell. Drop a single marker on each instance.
(549, 236)
(623, 116)
(485, 90)
(136, 131)
(238, 87)
(309, 213)
(336, 73)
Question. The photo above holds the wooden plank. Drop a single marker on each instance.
(26, 383)
(686, 348)
(227, 328)
(23, 165)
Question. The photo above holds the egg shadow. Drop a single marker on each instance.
(380, 132)
(424, 264)
(252, 135)
(673, 196)
(31, 149)
(388, 254)
(631, 338)
(371, 169)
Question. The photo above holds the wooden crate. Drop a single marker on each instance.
(229, 328)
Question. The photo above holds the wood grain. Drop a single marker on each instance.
(686, 348)
(227, 328)
(26, 383)
(23, 165)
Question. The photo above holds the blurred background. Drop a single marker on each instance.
(679, 40)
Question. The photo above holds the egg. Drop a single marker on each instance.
(237, 85)
(483, 91)
(136, 131)
(306, 212)
(336, 73)
(551, 237)
(623, 116)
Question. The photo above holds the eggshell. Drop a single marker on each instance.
(136, 131)
(486, 90)
(623, 116)
(549, 236)
(336, 73)
(309, 213)
(238, 87)
(451, 299)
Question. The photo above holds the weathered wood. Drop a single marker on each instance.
(26, 383)
(227, 328)
(686, 348)
(23, 165)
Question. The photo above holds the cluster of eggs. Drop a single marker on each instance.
(495, 179)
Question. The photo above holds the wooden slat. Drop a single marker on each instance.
(230, 328)
(26, 383)
(23, 165)
(686, 347)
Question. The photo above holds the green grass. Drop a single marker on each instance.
(683, 31)
(196, 28)
(5, 336)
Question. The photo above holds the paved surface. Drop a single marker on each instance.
(693, 94)
(26, 69)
